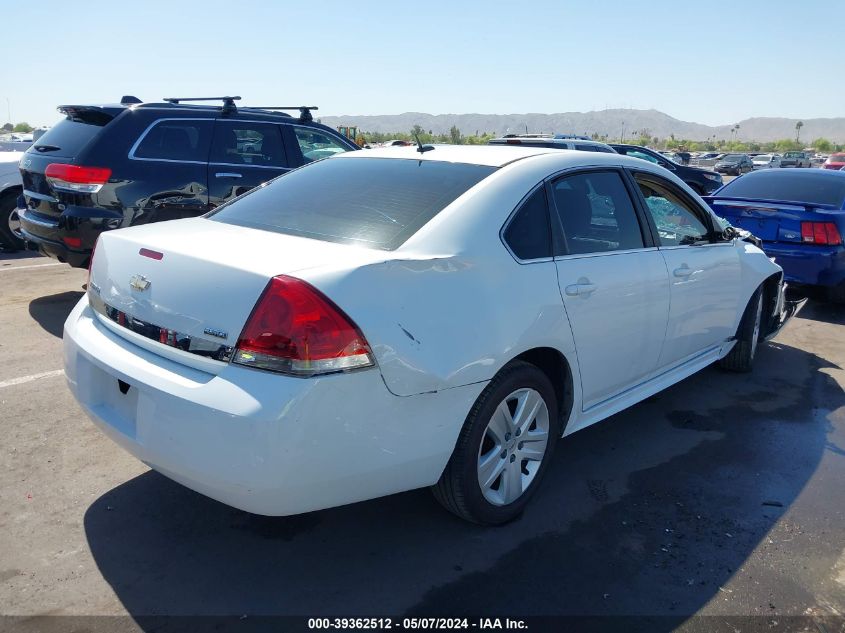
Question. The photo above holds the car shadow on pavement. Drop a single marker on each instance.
(647, 513)
(51, 312)
(824, 311)
(10, 256)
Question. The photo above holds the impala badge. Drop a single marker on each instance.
(139, 283)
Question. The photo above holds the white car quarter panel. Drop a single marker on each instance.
(450, 321)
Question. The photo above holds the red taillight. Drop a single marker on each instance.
(146, 252)
(76, 177)
(825, 233)
(73, 242)
(296, 329)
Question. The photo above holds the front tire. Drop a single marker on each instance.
(741, 357)
(10, 236)
(504, 448)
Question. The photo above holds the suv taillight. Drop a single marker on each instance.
(825, 233)
(296, 329)
(77, 178)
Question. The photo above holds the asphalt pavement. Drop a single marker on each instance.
(721, 496)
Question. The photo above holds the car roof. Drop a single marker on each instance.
(490, 155)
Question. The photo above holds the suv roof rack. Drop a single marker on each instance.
(228, 102)
(304, 111)
(532, 135)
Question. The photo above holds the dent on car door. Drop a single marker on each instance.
(244, 154)
(613, 282)
(170, 171)
(704, 272)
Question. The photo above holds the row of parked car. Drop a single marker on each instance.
(110, 166)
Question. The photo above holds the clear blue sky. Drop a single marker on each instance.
(709, 62)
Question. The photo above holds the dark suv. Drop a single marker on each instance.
(110, 166)
(701, 181)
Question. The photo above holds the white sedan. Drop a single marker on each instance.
(766, 161)
(386, 320)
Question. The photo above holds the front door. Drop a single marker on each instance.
(613, 282)
(704, 274)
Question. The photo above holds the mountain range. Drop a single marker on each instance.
(602, 122)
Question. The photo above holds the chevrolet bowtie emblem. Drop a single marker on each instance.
(139, 282)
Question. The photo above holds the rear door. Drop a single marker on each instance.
(705, 275)
(612, 279)
(169, 170)
(244, 154)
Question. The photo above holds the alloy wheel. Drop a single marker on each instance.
(513, 446)
(15, 224)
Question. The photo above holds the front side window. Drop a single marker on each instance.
(316, 144)
(676, 220)
(596, 213)
(242, 143)
(528, 233)
(176, 140)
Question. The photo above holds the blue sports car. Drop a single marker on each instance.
(799, 215)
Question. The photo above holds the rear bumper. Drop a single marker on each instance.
(258, 441)
(56, 250)
(809, 265)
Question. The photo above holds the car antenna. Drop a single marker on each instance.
(420, 147)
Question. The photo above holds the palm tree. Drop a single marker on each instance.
(798, 127)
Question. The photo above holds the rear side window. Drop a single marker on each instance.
(585, 148)
(528, 233)
(808, 186)
(175, 140)
(315, 144)
(68, 137)
(596, 213)
(372, 202)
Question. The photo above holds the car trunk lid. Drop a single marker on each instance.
(771, 221)
(190, 285)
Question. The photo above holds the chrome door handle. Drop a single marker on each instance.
(580, 288)
(683, 271)
(228, 174)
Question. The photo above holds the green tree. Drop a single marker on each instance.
(822, 145)
(23, 127)
(8, 127)
(455, 135)
(798, 127)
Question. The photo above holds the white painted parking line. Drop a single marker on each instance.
(8, 268)
(23, 379)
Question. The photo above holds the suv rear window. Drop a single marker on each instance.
(372, 202)
(68, 137)
(809, 186)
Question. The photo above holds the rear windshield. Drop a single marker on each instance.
(67, 138)
(373, 202)
(810, 186)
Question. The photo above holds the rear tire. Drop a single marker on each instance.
(9, 223)
(489, 447)
(741, 357)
